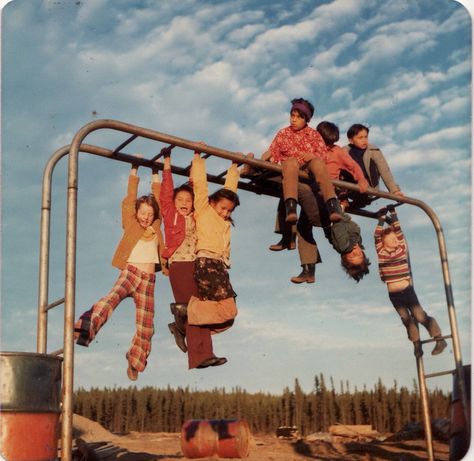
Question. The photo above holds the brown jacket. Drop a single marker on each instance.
(133, 232)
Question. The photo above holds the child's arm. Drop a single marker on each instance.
(155, 184)
(347, 163)
(232, 178)
(199, 179)
(128, 203)
(385, 172)
(396, 224)
(378, 233)
(167, 186)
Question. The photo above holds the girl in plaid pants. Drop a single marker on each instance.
(138, 258)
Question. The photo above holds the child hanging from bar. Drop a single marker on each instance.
(298, 146)
(177, 206)
(214, 306)
(395, 271)
(138, 258)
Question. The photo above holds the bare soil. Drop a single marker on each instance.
(135, 446)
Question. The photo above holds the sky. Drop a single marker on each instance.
(224, 73)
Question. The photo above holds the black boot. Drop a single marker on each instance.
(180, 312)
(307, 274)
(334, 209)
(290, 207)
(284, 243)
(178, 336)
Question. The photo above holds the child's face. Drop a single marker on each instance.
(360, 140)
(297, 122)
(183, 203)
(356, 256)
(224, 207)
(145, 215)
(390, 241)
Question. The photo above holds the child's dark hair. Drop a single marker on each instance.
(306, 103)
(329, 132)
(356, 129)
(149, 200)
(186, 187)
(356, 271)
(225, 194)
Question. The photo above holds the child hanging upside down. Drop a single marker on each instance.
(138, 258)
(298, 146)
(395, 271)
(214, 307)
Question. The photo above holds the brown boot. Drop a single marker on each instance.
(290, 206)
(307, 274)
(284, 244)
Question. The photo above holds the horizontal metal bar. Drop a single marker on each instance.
(432, 340)
(57, 352)
(125, 143)
(440, 373)
(56, 303)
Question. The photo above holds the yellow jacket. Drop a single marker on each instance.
(213, 232)
(133, 232)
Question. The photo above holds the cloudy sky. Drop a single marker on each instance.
(224, 73)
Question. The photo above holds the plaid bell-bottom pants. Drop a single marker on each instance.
(140, 286)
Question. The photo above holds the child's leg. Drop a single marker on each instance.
(321, 175)
(409, 322)
(287, 231)
(290, 169)
(93, 319)
(198, 338)
(428, 322)
(144, 313)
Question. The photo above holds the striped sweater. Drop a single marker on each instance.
(393, 265)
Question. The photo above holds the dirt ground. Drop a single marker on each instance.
(167, 447)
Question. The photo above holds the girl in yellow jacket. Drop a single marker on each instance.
(215, 305)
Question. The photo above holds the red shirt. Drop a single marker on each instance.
(339, 159)
(303, 145)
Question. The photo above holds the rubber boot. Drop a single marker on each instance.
(307, 274)
(284, 243)
(180, 312)
(290, 207)
(439, 346)
(178, 336)
(418, 350)
(334, 209)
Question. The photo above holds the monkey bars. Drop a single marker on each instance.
(265, 182)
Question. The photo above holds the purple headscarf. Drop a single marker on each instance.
(303, 108)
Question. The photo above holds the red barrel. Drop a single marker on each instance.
(30, 406)
(202, 438)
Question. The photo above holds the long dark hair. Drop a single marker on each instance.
(151, 201)
(356, 271)
(225, 194)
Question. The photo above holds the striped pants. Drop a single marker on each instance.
(139, 285)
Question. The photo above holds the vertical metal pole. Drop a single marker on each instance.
(69, 304)
(43, 278)
(426, 409)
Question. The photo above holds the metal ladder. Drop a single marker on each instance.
(264, 185)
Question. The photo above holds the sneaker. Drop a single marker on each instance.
(440, 346)
(132, 373)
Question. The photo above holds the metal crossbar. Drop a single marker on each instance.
(265, 182)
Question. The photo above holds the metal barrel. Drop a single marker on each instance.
(30, 386)
(226, 438)
(460, 428)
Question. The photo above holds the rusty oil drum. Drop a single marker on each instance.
(226, 438)
(30, 387)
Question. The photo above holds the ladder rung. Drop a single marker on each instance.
(125, 143)
(56, 303)
(57, 352)
(441, 373)
(432, 340)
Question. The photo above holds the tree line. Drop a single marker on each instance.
(151, 409)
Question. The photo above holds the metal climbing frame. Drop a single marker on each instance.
(261, 186)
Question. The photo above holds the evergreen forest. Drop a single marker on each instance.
(150, 409)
